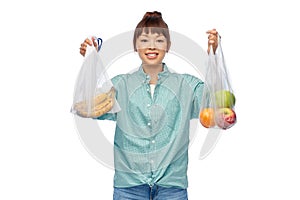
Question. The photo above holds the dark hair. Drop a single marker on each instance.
(154, 23)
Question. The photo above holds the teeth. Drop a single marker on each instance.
(151, 54)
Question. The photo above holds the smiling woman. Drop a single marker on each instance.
(151, 48)
(152, 129)
(154, 23)
(152, 40)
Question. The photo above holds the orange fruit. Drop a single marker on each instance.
(207, 117)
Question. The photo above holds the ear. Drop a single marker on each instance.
(168, 47)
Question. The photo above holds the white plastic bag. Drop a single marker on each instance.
(94, 92)
(218, 101)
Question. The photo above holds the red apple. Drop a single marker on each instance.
(225, 118)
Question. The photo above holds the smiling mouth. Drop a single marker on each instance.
(151, 55)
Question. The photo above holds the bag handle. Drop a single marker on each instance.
(89, 48)
(99, 42)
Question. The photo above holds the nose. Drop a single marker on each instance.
(151, 48)
(152, 44)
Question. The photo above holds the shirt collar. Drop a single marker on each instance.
(145, 78)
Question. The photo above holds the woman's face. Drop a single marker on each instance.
(151, 48)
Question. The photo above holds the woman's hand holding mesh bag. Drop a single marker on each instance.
(218, 100)
(94, 91)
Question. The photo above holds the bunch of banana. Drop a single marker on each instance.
(101, 104)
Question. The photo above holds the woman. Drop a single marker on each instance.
(152, 129)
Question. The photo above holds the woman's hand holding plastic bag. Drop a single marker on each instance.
(94, 91)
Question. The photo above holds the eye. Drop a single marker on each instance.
(160, 41)
(144, 40)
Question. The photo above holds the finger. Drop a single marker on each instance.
(211, 42)
(213, 31)
(95, 42)
(82, 51)
(212, 37)
(82, 48)
(88, 41)
(94, 39)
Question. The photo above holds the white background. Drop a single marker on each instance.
(41, 154)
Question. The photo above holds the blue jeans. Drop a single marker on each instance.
(145, 192)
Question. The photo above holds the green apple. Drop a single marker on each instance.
(224, 99)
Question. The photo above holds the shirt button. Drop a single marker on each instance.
(153, 141)
(152, 161)
(148, 105)
(149, 124)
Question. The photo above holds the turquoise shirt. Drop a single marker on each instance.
(152, 134)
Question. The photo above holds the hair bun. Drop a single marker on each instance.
(154, 14)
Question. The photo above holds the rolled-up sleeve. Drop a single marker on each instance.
(197, 86)
(111, 116)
